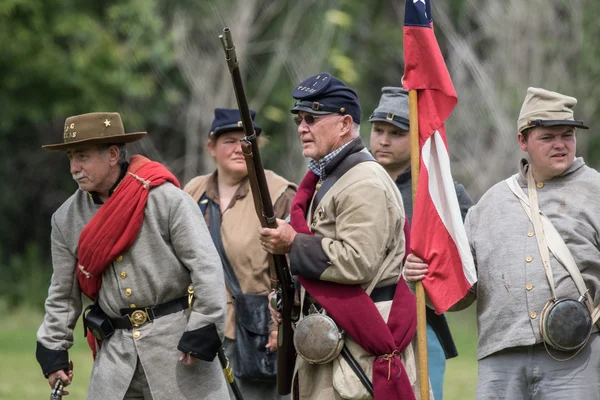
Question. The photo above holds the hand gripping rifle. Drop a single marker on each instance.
(281, 278)
(57, 392)
(229, 375)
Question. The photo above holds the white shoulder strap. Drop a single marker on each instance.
(554, 242)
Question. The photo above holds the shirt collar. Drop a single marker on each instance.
(212, 189)
(94, 195)
(318, 167)
(524, 166)
(404, 176)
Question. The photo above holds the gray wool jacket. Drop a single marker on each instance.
(512, 287)
(173, 250)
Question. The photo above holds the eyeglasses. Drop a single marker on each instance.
(310, 119)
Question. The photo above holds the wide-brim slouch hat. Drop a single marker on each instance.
(94, 128)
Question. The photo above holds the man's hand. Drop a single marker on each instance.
(278, 240)
(65, 377)
(187, 359)
(272, 343)
(415, 269)
(275, 315)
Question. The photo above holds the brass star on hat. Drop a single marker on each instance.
(94, 128)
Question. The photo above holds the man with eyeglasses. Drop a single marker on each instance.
(346, 244)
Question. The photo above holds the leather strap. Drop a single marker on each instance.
(351, 161)
(390, 117)
(231, 280)
(539, 231)
(155, 312)
(383, 293)
(555, 243)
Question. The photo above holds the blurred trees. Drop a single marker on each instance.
(160, 64)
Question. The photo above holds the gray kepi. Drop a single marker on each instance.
(543, 107)
(393, 108)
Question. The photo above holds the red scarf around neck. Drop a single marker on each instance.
(114, 228)
(355, 312)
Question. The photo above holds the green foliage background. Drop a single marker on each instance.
(64, 57)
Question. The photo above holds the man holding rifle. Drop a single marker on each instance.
(225, 199)
(346, 245)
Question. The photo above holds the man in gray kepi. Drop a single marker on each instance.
(534, 238)
(390, 145)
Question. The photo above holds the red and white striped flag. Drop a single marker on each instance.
(438, 235)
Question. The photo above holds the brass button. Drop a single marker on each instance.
(123, 275)
(540, 185)
(119, 258)
(533, 314)
(137, 334)
(530, 234)
(529, 259)
(128, 292)
(132, 305)
(529, 286)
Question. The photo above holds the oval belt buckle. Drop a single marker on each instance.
(138, 318)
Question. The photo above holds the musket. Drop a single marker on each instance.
(229, 375)
(281, 278)
(57, 392)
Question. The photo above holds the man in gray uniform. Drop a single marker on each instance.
(390, 145)
(515, 362)
(137, 245)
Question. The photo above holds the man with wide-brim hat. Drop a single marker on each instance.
(530, 261)
(135, 244)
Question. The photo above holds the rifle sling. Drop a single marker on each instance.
(214, 215)
(347, 164)
(357, 369)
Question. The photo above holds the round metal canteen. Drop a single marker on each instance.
(318, 339)
(567, 324)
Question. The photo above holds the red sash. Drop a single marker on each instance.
(114, 228)
(355, 312)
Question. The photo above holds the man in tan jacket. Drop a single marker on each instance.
(346, 245)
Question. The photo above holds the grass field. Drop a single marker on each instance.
(21, 378)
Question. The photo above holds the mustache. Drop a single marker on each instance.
(77, 176)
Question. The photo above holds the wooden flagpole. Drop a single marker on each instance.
(415, 159)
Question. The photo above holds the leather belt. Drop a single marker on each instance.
(383, 293)
(135, 317)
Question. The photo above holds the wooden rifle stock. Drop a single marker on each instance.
(281, 278)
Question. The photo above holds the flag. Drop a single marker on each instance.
(438, 235)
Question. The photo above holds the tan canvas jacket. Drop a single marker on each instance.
(358, 230)
(239, 232)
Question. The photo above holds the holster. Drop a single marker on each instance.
(97, 322)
